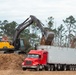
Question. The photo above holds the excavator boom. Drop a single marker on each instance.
(25, 24)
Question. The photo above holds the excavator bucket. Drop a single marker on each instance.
(42, 42)
(47, 40)
(73, 43)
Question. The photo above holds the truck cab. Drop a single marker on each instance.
(36, 59)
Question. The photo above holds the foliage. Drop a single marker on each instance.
(50, 22)
(25, 34)
(70, 23)
(8, 28)
(60, 34)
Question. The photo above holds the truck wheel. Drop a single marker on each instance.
(48, 68)
(70, 68)
(59, 68)
(52, 68)
(65, 68)
(38, 68)
(24, 69)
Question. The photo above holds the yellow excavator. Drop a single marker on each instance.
(5, 44)
(19, 44)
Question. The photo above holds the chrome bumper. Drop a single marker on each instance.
(29, 66)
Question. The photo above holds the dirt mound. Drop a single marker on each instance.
(11, 61)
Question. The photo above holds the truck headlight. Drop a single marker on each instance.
(23, 63)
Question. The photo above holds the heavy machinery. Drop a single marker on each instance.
(18, 43)
(5, 45)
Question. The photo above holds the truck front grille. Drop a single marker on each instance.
(28, 62)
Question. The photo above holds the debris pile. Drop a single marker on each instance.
(11, 61)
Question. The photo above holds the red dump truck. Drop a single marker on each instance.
(50, 58)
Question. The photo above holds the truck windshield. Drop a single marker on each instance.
(32, 56)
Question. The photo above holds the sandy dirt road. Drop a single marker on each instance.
(20, 72)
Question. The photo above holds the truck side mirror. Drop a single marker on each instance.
(39, 56)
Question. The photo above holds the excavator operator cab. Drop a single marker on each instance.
(20, 46)
(0, 38)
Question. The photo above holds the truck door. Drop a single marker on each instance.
(44, 58)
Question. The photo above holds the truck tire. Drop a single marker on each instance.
(38, 68)
(65, 67)
(24, 69)
(48, 68)
(52, 67)
(59, 67)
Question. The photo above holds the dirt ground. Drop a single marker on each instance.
(20, 72)
(10, 64)
(11, 61)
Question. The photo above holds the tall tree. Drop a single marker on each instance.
(8, 28)
(0, 28)
(70, 24)
(50, 22)
(35, 34)
(60, 34)
(2, 24)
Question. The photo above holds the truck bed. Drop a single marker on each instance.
(60, 55)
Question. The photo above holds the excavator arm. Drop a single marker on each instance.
(46, 39)
(25, 24)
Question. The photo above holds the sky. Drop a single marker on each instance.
(19, 10)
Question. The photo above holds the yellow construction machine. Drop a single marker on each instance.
(5, 44)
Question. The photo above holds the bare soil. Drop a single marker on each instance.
(11, 61)
(20, 72)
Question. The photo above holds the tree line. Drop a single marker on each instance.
(64, 33)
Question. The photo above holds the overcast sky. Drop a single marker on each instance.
(19, 10)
